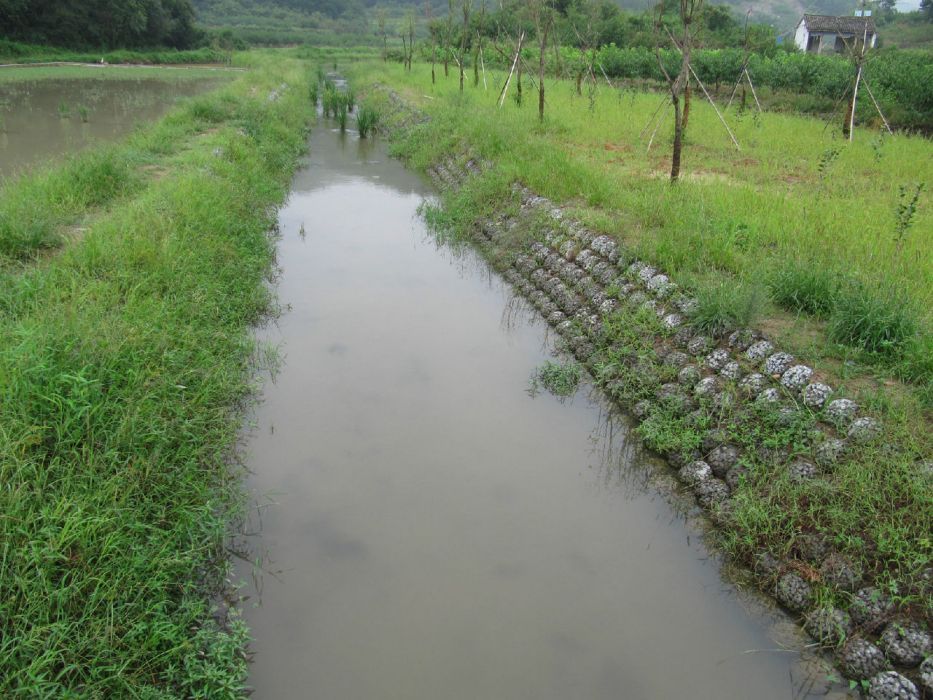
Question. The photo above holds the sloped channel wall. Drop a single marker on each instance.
(580, 282)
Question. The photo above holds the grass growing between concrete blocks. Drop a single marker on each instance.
(124, 363)
(874, 507)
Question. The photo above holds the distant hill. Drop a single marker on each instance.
(782, 15)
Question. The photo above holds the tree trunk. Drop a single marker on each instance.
(686, 105)
(678, 140)
(433, 62)
(541, 74)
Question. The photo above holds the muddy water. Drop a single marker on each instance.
(429, 530)
(42, 119)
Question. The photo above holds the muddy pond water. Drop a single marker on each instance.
(427, 529)
(46, 118)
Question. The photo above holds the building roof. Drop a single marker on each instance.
(839, 25)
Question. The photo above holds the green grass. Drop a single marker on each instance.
(722, 307)
(125, 361)
(801, 287)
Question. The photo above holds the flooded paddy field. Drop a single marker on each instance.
(426, 528)
(49, 112)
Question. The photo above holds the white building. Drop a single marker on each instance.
(826, 34)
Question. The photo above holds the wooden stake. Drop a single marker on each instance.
(858, 77)
(482, 63)
(875, 102)
(718, 114)
(754, 94)
(653, 117)
(505, 88)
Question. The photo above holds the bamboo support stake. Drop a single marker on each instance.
(603, 71)
(518, 51)
(875, 102)
(718, 114)
(651, 140)
(653, 117)
(482, 64)
(754, 94)
(858, 78)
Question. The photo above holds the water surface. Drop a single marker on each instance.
(44, 119)
(429, 530)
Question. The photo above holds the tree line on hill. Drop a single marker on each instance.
(101, 23)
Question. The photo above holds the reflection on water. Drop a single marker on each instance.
(42, 119)
(434, 531)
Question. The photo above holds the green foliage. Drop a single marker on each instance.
(724, 306)
(906, 211)
(100, 23)
(803, 287)
(16, 52)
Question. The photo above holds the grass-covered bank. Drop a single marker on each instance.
(795, 512)
(798, 229)
(123, 362)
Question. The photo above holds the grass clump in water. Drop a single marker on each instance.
(367, 118)
(561, 380)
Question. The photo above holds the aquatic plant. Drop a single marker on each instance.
(367, 118)
(342, 114)
(559, 379)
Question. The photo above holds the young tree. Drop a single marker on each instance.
(448, 35)
(383, 31)
(687, 11)
(478, 44)
(542, 15)
(411, 38)
(433, 34)
(465, 6)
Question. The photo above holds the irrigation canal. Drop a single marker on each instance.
(429, 530)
